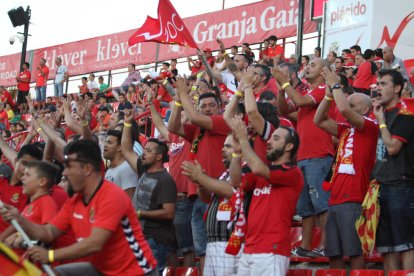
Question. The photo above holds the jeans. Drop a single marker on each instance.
(40, 93)
(199, 228)
(182, 223)
(58, 89)
(160, 251)
(313, 200)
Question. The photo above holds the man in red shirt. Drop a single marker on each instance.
(41, 83)
(276, 189)
(275, 51)
(5, 96)
(23, 86)
(315, 154)
(354, 163)
(366, 73)
(207, 133)
(102, 218)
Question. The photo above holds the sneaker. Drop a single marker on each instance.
(297, 218)
(318, 252)
(300, 252)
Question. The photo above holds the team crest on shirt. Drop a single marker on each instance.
(15, 198)
(92, 215)
(29, 211)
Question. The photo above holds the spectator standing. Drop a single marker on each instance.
(366, 76)
(41, 83)
(23, 87)
(61, 76)
(393, 62)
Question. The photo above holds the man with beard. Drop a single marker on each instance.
(155, 195)
(276, 189)
(219, 213)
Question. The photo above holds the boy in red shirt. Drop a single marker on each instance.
(23, 86)
(38, 177)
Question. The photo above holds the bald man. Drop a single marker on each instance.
(393, 62)
(315, 154)
(350, 180)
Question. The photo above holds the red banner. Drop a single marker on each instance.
(249, 23)
(9, 69)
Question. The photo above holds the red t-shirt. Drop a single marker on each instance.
(59, 195)
(179, 149)
(11, 195)
(314, 142)
(24, 85)
(209, 148)
(260, 141)
(110, 208)
(271, 209)
(274, 51)
(41, 80)
(270, 86)
(165, 96)
(362, 148)
(6, 97)
(41, 210)
(364, 77)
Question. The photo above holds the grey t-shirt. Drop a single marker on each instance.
(123, 176)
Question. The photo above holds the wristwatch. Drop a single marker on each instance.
(335, 86)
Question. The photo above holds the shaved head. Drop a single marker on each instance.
(360, 103)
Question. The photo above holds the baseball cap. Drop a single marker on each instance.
(207, 50)
(349, 56)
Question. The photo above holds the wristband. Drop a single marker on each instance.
(286, 84)
(51, 254)
(39, 129)
(236, 155)
(225, 53)
(84, 124)
(328, 98)
(139, 214)
(194, 87)
(178, 104)
(127, 125)
(165, 82)
(382, 126)
(238, 94)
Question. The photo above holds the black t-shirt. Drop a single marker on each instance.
(399, 168)
(153, 190)
(126, 105)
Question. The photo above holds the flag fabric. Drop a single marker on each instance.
(168, 28)
(13, 264)
(407, 106)
(366, 224)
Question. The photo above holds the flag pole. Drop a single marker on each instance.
(209, 73)
(27, 240)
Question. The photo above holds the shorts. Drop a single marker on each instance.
(182, 223)
(218, 262)
(263, 264)
(313, 200)
(395, 232)
(198, 226)
(341, 235)
(21, 97)
(74, 269)
(40, 93)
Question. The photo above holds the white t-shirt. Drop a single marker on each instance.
(123, 176)
(60, 72)
(92, 85)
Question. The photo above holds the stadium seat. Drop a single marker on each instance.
(168, 271)
(366, 272)
(186, 271)
(299, 272)
(400, 272)
(295, 236)
(330, 272)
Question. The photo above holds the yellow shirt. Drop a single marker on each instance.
(10, 114)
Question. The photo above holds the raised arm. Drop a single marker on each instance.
(195, 172)
(126, 141)
(70, 121)
(322, 119)
(8, 152)
(174, 123)
(155, 115)
(355, 119)
(294, 95)
(253, 161)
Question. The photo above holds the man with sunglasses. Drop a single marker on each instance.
(102, 218)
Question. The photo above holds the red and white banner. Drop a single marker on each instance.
(249, 23)
(168, 28)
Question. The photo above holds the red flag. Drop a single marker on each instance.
(169, 28)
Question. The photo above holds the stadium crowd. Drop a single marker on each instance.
(215, 165)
